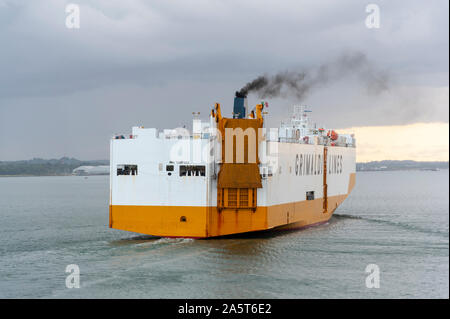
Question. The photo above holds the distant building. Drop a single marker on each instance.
(91, 170)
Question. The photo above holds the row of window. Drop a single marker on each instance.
(192, 170)
(184, 170)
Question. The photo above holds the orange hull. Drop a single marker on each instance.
(202, 222)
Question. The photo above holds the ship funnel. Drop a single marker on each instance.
(240, 106)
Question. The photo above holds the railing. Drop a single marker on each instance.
(325, 142)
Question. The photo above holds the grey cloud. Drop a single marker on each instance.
(132, 61)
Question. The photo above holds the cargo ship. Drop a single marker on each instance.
(229, 175)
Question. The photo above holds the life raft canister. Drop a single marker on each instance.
(333, 135)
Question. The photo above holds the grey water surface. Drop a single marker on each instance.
(396, 220)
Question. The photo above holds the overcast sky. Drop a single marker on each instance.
(152, 63)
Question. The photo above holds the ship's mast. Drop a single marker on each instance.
(300, 119)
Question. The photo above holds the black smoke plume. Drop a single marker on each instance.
(300, 83)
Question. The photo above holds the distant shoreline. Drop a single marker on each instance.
(358, 171)
(388, 165)
(401, 170)
(64, 166)
(67, 167)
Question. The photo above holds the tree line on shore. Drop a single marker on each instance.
(45, 167)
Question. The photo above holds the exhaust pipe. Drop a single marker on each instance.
(240, 106)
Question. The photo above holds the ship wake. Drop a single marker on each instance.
(396, 224)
